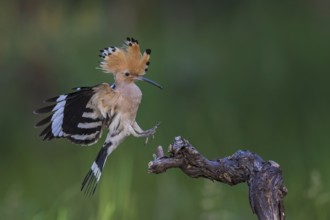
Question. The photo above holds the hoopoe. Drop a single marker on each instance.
(81, 115)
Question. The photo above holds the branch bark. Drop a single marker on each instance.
(264, 179)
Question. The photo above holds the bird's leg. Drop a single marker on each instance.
(136, 131)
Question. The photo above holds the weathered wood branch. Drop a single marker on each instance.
(264, 179)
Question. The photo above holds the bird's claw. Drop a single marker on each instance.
(151, 132)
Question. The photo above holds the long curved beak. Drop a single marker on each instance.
(141, 78)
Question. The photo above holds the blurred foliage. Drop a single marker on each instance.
(237, 75)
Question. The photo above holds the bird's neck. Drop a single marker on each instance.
(129, 90)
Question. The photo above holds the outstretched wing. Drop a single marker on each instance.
(79, 116)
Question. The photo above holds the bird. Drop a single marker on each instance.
(81, 115)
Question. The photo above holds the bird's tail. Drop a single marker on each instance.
(94, 174)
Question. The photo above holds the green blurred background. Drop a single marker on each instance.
(237, 75)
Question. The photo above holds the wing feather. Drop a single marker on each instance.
(79, 116)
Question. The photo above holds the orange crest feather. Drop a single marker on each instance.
(125, 59)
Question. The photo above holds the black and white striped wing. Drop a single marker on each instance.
(73, 117)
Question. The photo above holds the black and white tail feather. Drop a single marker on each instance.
(94, 174)
(116, 134)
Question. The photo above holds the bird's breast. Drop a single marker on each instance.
(128, 107)
(129, 100)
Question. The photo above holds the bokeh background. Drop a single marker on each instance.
(237, 75)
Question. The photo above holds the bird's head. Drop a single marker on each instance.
(127, 64)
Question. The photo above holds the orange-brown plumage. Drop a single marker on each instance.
(105, 99)
(126, 59)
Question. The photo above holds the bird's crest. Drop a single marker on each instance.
(126, 59)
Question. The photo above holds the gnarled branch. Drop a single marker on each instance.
(265, 181)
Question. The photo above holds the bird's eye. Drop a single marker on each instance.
(126, 74)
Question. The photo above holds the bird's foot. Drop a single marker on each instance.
(151, 132)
